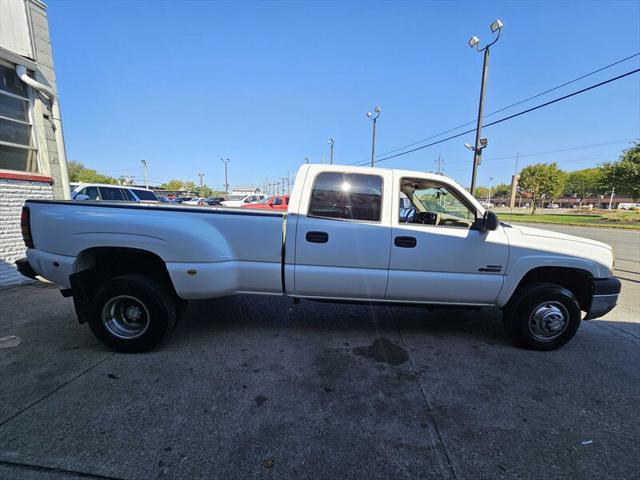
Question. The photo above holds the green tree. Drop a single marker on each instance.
(502, 190)
(79, 173)
(482, 193)
(624, 175)
(190, 187)
(173, 185)
(583, 183)
(542, 179)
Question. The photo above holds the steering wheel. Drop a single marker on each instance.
(426, 218)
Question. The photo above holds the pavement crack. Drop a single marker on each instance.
(61, 471)
(33, 404)
(446, 466)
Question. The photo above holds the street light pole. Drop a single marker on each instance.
(201, 175)
(477, 150)
(374, 118)
(146, 174)
(226, 181)
(490, 187)
(331, 143)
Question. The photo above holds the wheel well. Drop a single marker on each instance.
(108, 262)
(575, 280)
(96, 265)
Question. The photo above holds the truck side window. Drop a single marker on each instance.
(347, 196)
(432, 203)
(278, 201)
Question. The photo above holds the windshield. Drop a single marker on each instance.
(145, 195)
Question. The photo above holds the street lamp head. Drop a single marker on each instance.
(483, 142)
(474, 41)
(497, 25)
(369, 114)
(378, 110)
(144, 162)
(331, 141)
(469, 146)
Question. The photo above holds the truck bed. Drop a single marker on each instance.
(230, 250)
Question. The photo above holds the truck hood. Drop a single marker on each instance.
(538, 232)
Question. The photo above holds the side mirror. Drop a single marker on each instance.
(81, 196)
(488, 222)
(491, 220)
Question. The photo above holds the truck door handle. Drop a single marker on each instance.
(317, 237)
(405, 242)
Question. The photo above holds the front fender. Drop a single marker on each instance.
(525, 264)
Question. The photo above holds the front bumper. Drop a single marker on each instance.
(604, 298)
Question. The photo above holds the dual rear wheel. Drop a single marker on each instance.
(132, 313)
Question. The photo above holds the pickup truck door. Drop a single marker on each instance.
(343, 236)
(448, 262)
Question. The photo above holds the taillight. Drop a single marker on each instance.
(25, 226)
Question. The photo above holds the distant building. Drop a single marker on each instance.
(244, 190)
(31, 145)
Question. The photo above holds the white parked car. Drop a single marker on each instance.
(628, 206)
(196, 201)
(111, 193)
(345, 237)
(239, 200)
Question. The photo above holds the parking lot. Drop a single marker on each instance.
(252, 387)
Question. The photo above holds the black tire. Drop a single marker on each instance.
(132, 313)
(556, 322)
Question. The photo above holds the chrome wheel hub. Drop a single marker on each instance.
(548, 321)
(125, 317)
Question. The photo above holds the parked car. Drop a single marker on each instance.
(239, 200)
(629, 206)
(342, 239)
(487, 204)
(196, 201)
(275, 202)
(108, 192)
(213, 201)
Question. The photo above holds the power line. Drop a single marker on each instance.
(504, 119)
(520, 102)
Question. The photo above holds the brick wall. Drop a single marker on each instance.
(13, 193)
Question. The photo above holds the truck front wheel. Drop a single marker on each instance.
(542, 316)
(131, 313)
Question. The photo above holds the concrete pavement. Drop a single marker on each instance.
(251, 387)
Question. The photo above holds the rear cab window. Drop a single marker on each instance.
(346, 196)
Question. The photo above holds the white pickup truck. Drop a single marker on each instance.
(351, 234)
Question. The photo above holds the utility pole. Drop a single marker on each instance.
(490, 187)
(331, 143)
(306, 160)
(439, 165)
(374, 118)
(201, 175)
(477, 149)
(613, 191)
(288, 184)
(146, 174)
(226, 181)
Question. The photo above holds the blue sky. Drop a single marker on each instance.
(182, 84)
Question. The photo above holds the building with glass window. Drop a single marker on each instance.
(32, 157)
